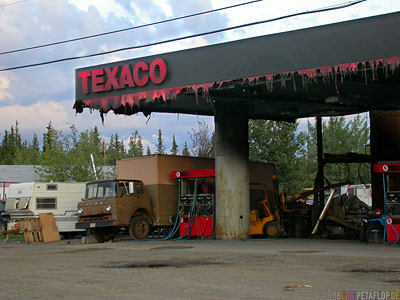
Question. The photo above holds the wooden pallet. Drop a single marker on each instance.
(42, 229)
(32, 230)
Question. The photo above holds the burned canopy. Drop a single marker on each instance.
(335, 69)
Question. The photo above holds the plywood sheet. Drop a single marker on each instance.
(49, 228)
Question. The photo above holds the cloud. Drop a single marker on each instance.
(106, 8)
(4, 84)
(151, 145)
(266, 10)
(186, 44)
(34, 118)
(165, 6)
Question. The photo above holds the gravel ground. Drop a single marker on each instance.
(254, 269)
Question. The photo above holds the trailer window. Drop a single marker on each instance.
(22, 203)
(52, 187)
(46, 203)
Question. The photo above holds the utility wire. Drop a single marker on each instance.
(126, 29)
(339, 6)
(16, 2)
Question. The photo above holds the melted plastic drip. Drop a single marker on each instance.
(132, 102)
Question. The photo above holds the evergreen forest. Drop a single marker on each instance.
(65, 156)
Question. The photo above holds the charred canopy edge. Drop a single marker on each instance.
(332, 90)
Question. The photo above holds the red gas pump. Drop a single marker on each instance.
(196, 202)
(391, 187)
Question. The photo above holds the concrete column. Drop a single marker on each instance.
(232, 171)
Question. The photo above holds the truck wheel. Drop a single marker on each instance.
(139, 228)
(272, 230)
(104, 234)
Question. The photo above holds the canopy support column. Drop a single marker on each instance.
(232, 171)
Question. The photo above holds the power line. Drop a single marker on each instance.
(16, 2)
(126, 29)
(339, 6)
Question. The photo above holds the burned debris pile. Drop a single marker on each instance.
(345, 217)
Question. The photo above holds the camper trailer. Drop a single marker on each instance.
(28, 200)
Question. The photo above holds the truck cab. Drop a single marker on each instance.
(111, 206)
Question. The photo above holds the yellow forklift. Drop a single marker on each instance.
(269, 224)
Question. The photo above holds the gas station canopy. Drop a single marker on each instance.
(336, 69)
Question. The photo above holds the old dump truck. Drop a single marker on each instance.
(144, 196)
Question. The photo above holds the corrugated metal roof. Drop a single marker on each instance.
(26, 173)
(18, 173)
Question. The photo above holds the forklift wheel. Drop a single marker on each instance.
(272, 230)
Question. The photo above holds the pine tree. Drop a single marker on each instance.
(85, 144)
(135, 147)
(160, 143)
(185, 151)
(48, 137)
(5, 158)
(140, 146)
(115, 150)
(10, 146)
(18, 142)
(148, 152)
(54, 164)
(34, 151)
(174, 149)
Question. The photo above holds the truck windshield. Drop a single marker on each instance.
(105, 189)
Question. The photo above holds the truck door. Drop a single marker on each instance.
(143, 198)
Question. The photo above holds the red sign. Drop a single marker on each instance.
(387, 168)
(121, 77)
(193, 174)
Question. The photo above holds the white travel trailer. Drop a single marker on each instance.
(28, 200)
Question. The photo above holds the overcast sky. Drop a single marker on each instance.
(35, 96)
